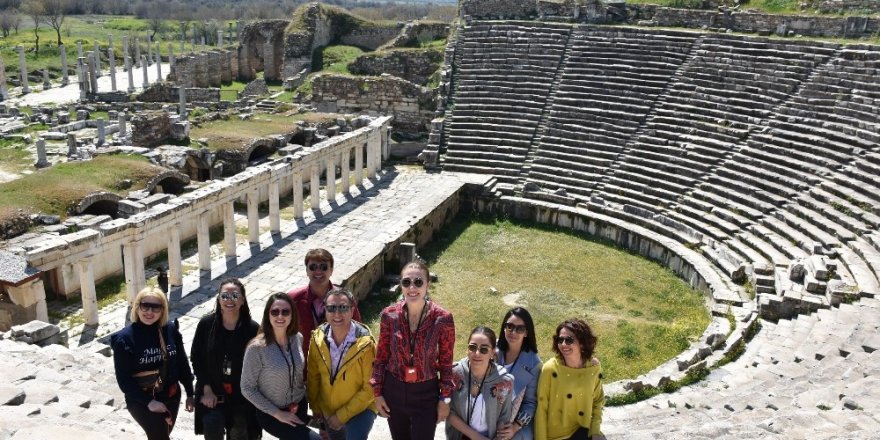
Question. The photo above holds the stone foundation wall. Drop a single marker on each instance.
(412, 106)
(264, 43)
(413, 32)
(150, 128)
(166, 92)
(842, 6)
(206, 69)
(499, 9)
(369, 38)
(414, 65)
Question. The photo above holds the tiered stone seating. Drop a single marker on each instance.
(729, 86)
(503, 82)
(609, 84)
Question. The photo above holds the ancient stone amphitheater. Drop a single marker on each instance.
(749, 166)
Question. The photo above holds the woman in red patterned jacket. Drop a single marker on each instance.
(412, 373)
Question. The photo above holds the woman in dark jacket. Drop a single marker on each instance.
(217, 354)
(150, 362)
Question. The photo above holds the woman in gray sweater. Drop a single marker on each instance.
(272, 374)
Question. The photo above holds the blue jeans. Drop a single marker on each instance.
(357, 427)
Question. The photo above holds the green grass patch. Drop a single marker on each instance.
(14, 156)
(558, 274)
(775, 6)
(234, 133)
(57, 189)
(335, 59)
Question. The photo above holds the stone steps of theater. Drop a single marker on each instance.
(550, 164)
(637, 60)
(860, 270)
(756, 47)
(494, 70)
(554, 149)
(495, 92)
(642, 78)
(665, 158)
(503, 103)
(667, 110)
(627, 94)
(580, 138)
(764, 64)
(500, 151)
(624, 192)
(703, 222)
(512, 115)
(756, 182)
(699, 137)
(697, 109)
(767, 246)
(850, 215)
(619, 106)
(633, 41)
(594, 117)
(782, 244)
(589, 128)
(708, 99)
(814, 212)
(462, 141)
(786, 167)
(614, 83)
(738, 88)
(482, 166)
(574, 182)
(524, 86)
(740, 210)
(830, 121)
(849, 187)
(825, 142)
(804, 227)
(740, 78)
(652, 173)
(508, 126)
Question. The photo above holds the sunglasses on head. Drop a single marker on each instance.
(318, 266)
(282, 312)
(567, 340)
(230, 296)
(150, 307)
(337, 308)
(511, 327)
(484, 349)
(406, 282)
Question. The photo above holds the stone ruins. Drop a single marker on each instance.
(747, 165)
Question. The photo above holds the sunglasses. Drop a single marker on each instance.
(511, 327)
(150, 307)
(230, 296)
(318, 266)
(484, 349)
(567, 340)
(341, 308)
(282, 312)
(406, 282)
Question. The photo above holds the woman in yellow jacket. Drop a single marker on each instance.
(340, 363)
(570, 396)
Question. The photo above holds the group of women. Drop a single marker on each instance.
(251, 377)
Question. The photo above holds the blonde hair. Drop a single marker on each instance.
(150, 292)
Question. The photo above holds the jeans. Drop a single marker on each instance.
(357, 428)
(413, 408)
(284, 431)
(214, 424)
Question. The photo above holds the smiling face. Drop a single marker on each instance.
(571, 353)
(150, 310)
(230, 299)
(337, 318)
(409, 280)
(512, 328)
(279, 315)
(319, 272)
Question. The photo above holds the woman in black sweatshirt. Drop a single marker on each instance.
(217, 354)
(151, 365)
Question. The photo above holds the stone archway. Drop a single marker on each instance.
(98, 203)
(169, 182)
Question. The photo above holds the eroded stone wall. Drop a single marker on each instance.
(369, 38)
(499, 9)
(263, 42)
(414, 65)
(150, 128)
(418, 31)
(411, 105)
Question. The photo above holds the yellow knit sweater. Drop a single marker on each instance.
(568, 398)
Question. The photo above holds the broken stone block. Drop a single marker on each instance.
(35, 332)
(797, 271)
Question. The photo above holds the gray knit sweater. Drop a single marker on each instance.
(266, 375)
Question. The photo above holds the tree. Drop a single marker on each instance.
(156, 21)
(6, 21)
(34, 10)
(54, 12)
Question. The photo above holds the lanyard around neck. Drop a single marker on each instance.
(412, 334)
(291, 366)
(470, 411)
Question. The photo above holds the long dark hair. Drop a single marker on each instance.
(244, 314)
(530, 342)
(266, 325)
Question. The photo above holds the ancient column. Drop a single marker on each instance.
(215, 74)
(158, 67)
(229, 229)
(219, 37)
(87, 291)
(133, 256)
(315, 188)
(274, 207)
(64, 80)
(93, 72)
(253, 216)
(346, 171)
(79, 49)
(358, 164)
(111, 59)
(171, 61)
(331, 178)
(102, 136)
(82, 78)
(297, 194)
(374, 154)
(149, 49)
(175, 262)
(22, 68)
(137, 50)
(144, 70)
(4, 92)
(181, 109)
(130, 69)
(97, 54)
(125, 49)
(204, 241)
(46, 83)
(192, 47)
(121, 123)
(225, 67)
(204, 44)
(42, 162)
(71, 144)
(269, 61)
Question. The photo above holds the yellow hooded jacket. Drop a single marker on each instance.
(350, 393)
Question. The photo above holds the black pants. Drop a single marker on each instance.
(581, 434)
(154, 424)
(284, 431)
(413, 408)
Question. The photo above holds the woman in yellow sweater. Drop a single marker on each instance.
(570, 396)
